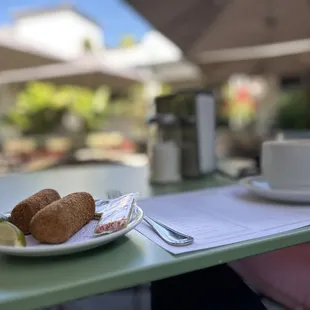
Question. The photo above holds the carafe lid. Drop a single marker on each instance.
(164, 120)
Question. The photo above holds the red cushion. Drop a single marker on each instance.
(282, 275)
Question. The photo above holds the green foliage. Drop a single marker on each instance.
(294, 110)
(137, 106)
(87, 46)
(41, 106)
(17, 119)
(36, 96)
(165, 89)
(127, 40)
(101, 99)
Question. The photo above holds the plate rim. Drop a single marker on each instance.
(71, 248)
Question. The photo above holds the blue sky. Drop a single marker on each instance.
(116, 18)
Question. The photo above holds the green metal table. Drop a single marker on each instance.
(31, 283)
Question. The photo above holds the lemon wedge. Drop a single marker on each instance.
(10, 235)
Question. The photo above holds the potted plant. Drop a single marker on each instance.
(293, 116)
(42, 107)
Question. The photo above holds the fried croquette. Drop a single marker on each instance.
(63, 218)
(24, 211)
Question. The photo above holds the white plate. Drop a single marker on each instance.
(83, 240)
(258, 186)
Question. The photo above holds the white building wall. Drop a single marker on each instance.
(62, 33)
(153, 49)
(159, 56)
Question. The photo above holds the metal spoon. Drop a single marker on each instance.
(165, 232)
(168, 234)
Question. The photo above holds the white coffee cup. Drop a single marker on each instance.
(286, 164)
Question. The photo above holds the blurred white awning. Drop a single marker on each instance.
(285, 58)
(14, 54)
(88, 71)
(175, 72)
(266, 51)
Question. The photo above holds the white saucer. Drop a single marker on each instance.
(258, 186)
